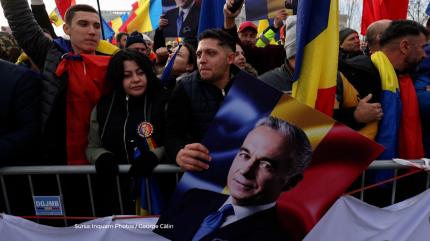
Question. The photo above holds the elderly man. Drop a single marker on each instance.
(374, 33)
(271, 160)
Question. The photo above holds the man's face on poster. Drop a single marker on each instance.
(258, 172)
(183, 3)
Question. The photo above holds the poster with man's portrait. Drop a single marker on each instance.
(182, 18)
(336, 149)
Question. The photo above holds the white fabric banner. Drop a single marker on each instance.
(353, 220)
(104, 229)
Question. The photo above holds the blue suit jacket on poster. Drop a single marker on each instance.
(187, 215)
(189, 27)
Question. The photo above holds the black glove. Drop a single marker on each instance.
(107, 164)
(143, 164)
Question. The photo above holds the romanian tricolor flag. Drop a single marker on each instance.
(391, 105)
(317, 54)
(117, 22)
(63, 5)
(148, 200)
(55, 18)
(144, 16)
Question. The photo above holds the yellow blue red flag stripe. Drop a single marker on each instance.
(317, 54)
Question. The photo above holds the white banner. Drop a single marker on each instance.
(104, 229)
(353, 220)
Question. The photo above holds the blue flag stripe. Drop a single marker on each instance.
(312, 19)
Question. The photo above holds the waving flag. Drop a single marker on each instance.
(374, 10)
(63, 5)
(317, 54)
(144, 16)
(55, 18)
(211, 15)
(117, 22)
(108, 33)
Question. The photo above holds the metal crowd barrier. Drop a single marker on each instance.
(88, 170)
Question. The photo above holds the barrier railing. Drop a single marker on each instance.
(88, 170)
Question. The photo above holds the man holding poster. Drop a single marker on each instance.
(271, 160)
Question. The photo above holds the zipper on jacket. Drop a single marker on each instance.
(124, 129)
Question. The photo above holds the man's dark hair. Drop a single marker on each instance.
(402, 28)
(119, 36)
(296, 143)
(224, 39)
(70, 13)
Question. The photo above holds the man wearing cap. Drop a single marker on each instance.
(271, 160)
(262, 59)
(247, 33)
(136, 42)
(349, 44)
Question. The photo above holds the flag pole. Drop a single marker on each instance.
(101, 18)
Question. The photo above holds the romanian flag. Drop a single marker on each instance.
(317, 54)
(148, 200)
(374, 10)
(391, 105)
(63, 5)
(55, 18)
(400, 128)
(144, 16)
(117, 22)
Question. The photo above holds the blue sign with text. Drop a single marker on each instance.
(48, 205)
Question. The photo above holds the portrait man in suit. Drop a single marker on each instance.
(182, 21)
(271, 160)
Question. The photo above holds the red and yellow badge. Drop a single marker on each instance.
(145, 129)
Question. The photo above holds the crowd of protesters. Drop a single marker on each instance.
(156, 101)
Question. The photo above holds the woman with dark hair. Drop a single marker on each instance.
(127, 126)
(185, 62)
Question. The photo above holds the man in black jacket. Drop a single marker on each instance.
(19, 114)
(197, 98)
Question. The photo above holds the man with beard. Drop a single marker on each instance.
(402, 43)
(385, 75)
(196, 99)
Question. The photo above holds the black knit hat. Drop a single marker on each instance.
(135, 37)
(345, 32)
